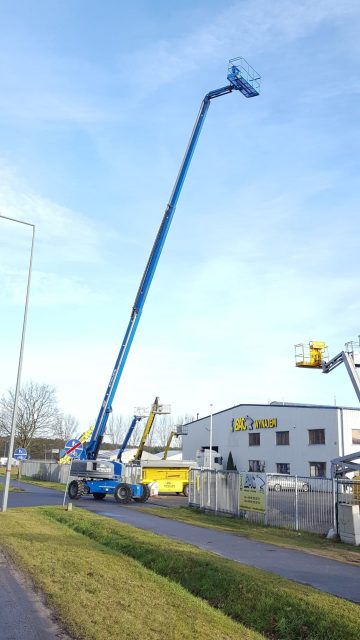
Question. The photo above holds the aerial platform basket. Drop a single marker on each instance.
(243, 77)
(312, 355)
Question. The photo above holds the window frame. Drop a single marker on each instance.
(313, 431)
(260, 466)
(316, 475)
(254, 435)
(282, 444)
(282, 464)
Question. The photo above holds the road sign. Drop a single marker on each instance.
(76, 452)
(20, 454)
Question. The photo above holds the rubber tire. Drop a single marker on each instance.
(145, 494)
(277, 487)
(305, 487)
(99, 496)
(123, 493)
(75, 490)
(186, 490)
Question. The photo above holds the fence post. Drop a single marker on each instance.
(334, 503)
(202, 479)
(296, 505)
(216, 490)
(337, 507)
(266, 517)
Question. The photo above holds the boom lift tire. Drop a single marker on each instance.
(145, 494)
(76, 489)
(99, 496)
(123, 493)
(186, 490)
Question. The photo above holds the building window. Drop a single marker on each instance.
(316, 436)
(257, 465)
(356, 436)
(282, 437)
(254, 439)
(283, 467)
(318, 469)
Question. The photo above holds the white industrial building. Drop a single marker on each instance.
(299, 439)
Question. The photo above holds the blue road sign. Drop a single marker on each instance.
(20, 454)
(77, 451)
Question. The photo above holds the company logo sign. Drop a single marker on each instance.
(248, 424)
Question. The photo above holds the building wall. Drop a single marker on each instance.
(231, 429)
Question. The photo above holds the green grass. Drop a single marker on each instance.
(309, 542)
(58, 486)
(99, 593)
(278, 608)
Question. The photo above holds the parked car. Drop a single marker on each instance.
(283, 482)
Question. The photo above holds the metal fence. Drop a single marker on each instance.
(295, 502)
(55, 472)
(51, 471)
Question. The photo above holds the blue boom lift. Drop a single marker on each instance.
(99, 477)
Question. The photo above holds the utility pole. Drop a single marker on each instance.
(18, 380)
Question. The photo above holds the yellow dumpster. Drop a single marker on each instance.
(169, 477)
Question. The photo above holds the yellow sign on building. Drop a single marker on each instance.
(245, 423)
(252, 492)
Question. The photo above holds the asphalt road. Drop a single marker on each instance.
(334, 577)
(23, 613)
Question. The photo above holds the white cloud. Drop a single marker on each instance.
(62, 238)
(253, 25)
(61, 232)
(53, 88)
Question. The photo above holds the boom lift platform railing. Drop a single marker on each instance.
(241, 77)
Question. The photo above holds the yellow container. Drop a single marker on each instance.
(356, 487)
(168, 479)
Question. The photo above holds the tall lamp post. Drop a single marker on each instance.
(18, 380)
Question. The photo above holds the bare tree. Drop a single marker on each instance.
(37, 415)
(116, 428)
(67, 427)
(163, 427)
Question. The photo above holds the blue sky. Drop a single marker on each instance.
(96, 106)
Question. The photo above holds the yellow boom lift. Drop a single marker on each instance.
(156, 409)
(314, 355)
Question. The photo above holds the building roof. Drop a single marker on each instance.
(277, 404)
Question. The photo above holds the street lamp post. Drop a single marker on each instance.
(18, 379)
(211, 436)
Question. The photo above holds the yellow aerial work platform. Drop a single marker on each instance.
(311, 355)
(170, 477)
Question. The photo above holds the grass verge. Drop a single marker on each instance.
(58, 486)
(99, 593)
(309, 542)
(278, 608)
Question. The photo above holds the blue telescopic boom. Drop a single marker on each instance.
(91, 450)
(128, 435)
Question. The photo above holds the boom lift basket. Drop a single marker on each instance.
(311, 355)
(243, 77)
